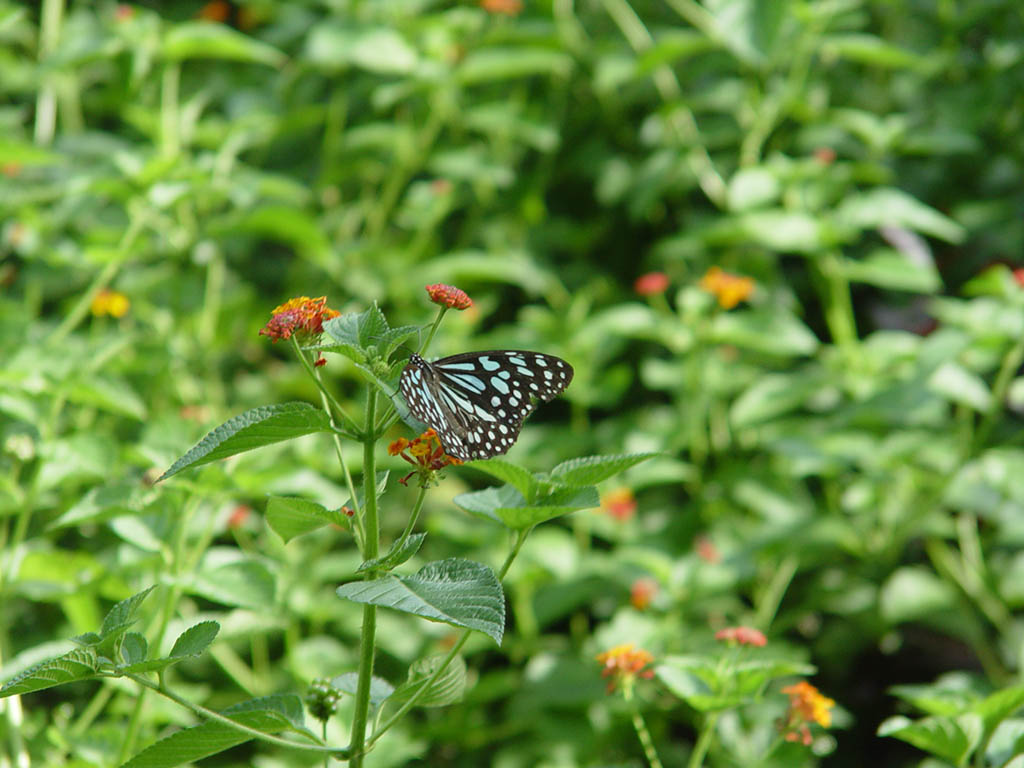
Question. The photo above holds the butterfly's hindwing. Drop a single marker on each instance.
(477, 401)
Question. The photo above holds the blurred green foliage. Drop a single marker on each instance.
(839, 453)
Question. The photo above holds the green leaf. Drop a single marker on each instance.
(396, 555)
(454, 591)
(767, 332)
(785, 231)
(888, 268)
(79, 664)
(123, 615)
(246, 584)
(1000, 705)
(775, 394)
(950, 739)
(380, 688)
(912, 593)
(289, 516)
(893, 207)
(590, 470)
(487, 65)
(255, 428)
(355, 332)
(871, 50)
(203, 40)
(134, 648)
(447, 689)
(958, 385)
(102, 503)
(753, 188)
(292, 226)
(194, 640)
(507, 506)
(706, 684)
(510, 473)
(376, 49)
(271, 714)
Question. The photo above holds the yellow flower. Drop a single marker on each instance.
(111, 303)
(425, 454)
(729, 289)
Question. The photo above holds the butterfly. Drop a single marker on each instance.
(476, 402)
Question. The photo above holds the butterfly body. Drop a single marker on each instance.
(477, 401)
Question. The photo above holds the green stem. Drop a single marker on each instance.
(700, 749)
(170, 143)
(371, 549)
(46, 101)
(772, 598)
(1011, 364)
(838, 304)
(413, 517)
(641, 729)
(429, 682)
(256, 734)
(349, 428)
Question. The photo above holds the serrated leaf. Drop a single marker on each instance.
(79, 664)
(134, 648)
(289, 516)
(399, 552)
(194, 640)
(255, 428)
(590, 470)
(507, 506)
(447, 689)
(391, 339)
(271, 714)
(356, 332)
(123, 615)
(454, 591)
(507, 472)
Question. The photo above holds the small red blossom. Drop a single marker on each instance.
(1018, 275)
(217, 10)
(301, 316)
(651, 284)
(238, 516)
(619, 504)
(806, 706)
(425, 454)
(347, 511)
(825, 155)
(623, 664)
(11, 170)
(449, 296)
(440, 187)
(642, 592)
(742, 636)
(123, 12)
(706, 550)
(506, 7)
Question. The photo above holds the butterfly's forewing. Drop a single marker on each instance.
(477, 401)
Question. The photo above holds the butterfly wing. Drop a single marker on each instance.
(477, 401)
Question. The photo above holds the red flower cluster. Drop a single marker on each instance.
(651, 284)
(425, 454)
(449, 296)
(619, 503)
(301, 316)
(742, 636)
(642, 592)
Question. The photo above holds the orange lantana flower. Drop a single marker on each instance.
(302, 316)
(619, 503)
(623, 664)
(742, 636)
(449, 296)
(806, 705)
(729, 289)
(425, 454)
